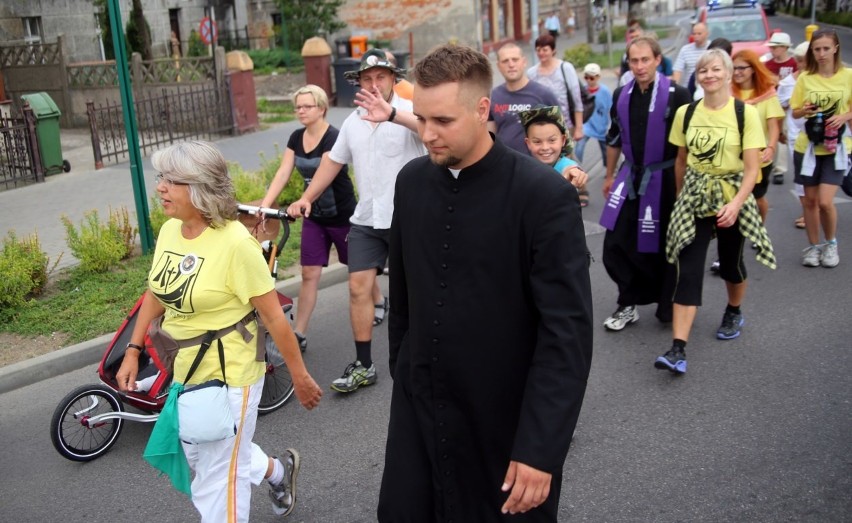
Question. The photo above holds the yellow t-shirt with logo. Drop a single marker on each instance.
(831, 95)
(766, 108)
(206, 284)
(713, 138)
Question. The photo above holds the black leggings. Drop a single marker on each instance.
(693, 257)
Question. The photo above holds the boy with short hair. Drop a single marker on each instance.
(781, 64)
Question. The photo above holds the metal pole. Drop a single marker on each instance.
(813, 12)
(534, 20)
(146, 233)
(609, 34)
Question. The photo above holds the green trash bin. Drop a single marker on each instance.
(47, 115)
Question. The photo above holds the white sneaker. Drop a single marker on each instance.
(622, 317)
(829, 256)
(811, 256)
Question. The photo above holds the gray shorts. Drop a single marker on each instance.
(368, 248)
(824, 171)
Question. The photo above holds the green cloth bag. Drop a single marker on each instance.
(164, 450)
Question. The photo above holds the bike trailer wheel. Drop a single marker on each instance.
(278, 384)
(69, 432)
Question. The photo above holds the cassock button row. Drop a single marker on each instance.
(455, 189)
(436, 323)
(441, 406)
(446, 246)
(445, 456)
(440, 423)
(443, 285)
(450, 208)
(444, 266)
(439, 303)
(443, 440)
(448, 227)
(446, 472)
(435, 341)
(435, 359)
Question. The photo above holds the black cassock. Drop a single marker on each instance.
(490, 335)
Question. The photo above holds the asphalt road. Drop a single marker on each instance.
(758, 430)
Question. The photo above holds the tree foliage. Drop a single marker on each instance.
(139, 32)
(303, 19)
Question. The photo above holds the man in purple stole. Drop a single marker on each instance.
(639, 198)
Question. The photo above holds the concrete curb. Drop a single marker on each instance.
(89, 352)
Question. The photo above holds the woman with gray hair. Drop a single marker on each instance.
(715, 171)
(209, 273)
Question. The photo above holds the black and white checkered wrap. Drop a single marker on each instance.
(702, 196)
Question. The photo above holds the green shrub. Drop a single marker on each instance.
(252, 185)
(579, 55)
(196, 47)
(268, 60)
(295, 186)
(618, 34)
(844, 19)
(100, 246)
(157, 216)
(248, 185)
(24, 267)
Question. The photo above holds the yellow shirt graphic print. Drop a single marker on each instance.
(172, 279)
(713, 138)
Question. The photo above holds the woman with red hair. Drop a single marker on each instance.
(754, 84)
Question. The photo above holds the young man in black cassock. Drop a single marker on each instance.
(490, 333)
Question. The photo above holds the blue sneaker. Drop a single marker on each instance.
(674, 360)
(730, 328)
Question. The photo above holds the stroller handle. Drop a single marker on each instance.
(268, 212)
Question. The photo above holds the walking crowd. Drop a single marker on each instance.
(486, 253)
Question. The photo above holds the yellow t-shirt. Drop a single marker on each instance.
(206, 284)
(767, 108)
(831, 95)
(713, 138)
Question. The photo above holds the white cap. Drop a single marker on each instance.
(779, 40)
(801, 50)
(592, 70)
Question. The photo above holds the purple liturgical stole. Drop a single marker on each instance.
(651, 184)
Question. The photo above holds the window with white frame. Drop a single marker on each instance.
(32, 29)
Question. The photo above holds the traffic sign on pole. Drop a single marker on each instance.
(209, 31)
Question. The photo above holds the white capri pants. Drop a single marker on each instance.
(225, 470)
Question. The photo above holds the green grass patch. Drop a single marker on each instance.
(275, 112)
(277, 118)
(82, 304)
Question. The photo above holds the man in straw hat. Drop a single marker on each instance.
(377, 150)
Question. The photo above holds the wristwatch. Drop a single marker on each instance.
(392, 114)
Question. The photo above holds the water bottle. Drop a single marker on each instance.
(818, 128)
(830, 141)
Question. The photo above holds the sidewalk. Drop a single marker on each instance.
(39, 207)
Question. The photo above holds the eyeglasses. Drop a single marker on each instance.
(162, 178)
(304, 107)
(741, 67)
(590, 77)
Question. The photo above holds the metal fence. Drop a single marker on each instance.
(20, 163)
(163, 117)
